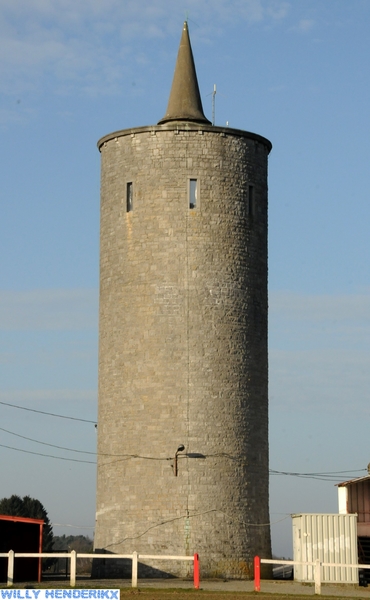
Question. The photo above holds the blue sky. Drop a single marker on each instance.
(296, 72)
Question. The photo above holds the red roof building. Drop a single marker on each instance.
(21, 534)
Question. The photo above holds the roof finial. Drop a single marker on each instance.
(185, 103)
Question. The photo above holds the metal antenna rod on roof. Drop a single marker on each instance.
(213, 104)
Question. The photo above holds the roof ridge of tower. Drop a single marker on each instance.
(185, 103)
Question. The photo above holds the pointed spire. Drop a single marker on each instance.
(185, 103)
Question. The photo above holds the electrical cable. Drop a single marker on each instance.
(42, 412)
(122, 456)
(327, 476)
(23, 437)
(321, 473)
(91, 462)
(74, 526)
(322, 476)
(189, 516)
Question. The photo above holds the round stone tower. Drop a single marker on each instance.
(183, 373)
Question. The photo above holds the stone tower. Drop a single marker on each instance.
(183, 400)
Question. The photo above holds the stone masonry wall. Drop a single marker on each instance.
(183, 348)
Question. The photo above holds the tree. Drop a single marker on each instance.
(15, 506)
(80, 543)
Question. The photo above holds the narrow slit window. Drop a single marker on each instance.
(129, 196)
(251, 207)
(193, 193)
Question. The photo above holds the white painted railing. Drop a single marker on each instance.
(317, 566)
(73, 555)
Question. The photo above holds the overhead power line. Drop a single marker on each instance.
(327, 476)
(321, 476)
(23, 437)
(48, 455)
(74, 526)
(42, 412)
(119, 456)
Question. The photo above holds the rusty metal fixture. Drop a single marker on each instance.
(181, 448)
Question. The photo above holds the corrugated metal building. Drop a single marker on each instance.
(331, 538)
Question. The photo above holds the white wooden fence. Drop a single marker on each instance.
(73, 555)
(317, 566)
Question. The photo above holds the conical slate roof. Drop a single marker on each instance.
(185, 103)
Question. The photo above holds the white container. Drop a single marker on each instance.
(331, 538)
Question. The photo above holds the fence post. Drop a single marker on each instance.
(134, 569)
(73, 568)
(257, 574)
(10, 580)
(317, 576)
(196, 571)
